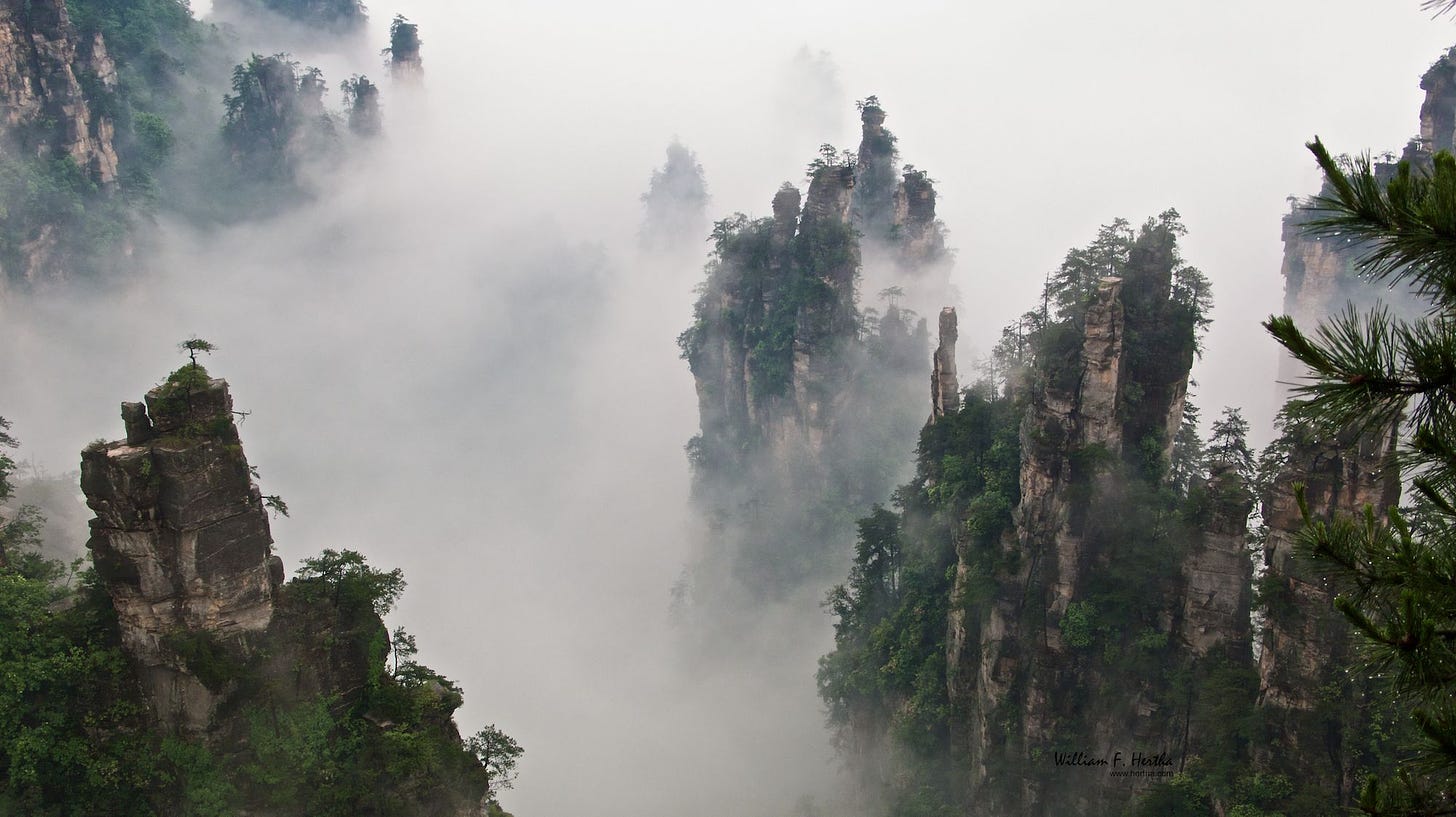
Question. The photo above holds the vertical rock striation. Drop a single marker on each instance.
(49, 76)
(181, 540)
(897, 215)
(1217, 573)
(53, 85)
(802, 392)
(1438, 111)
(1013, 675)
(1315, 709)
(1043, 665)
(1312, 705)
(945, 388)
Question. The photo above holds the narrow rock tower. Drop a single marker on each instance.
(181, 540)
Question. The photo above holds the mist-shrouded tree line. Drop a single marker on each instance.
(199, 133)
(343, 16)
(898, 708)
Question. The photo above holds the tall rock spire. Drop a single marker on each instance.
(180, 538)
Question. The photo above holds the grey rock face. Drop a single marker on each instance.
(945, 387)
(181, 538)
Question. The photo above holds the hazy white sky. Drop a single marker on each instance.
(1039, 120)
(457, 364)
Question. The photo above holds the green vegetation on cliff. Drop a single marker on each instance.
(887, 675)
(98, 152)
(963, 551)
(320, 715)
(1394, 575)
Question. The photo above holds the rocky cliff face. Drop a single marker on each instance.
(181, 538)
(405, 62)
(52, 85)
(1091, 603)
(1012, 675)
(182, 545)
(1319, 279)
(1319, 270)
(1438, 111)
(1217, 573)
(895, 207)
(1315, 709)
(49, 79)
(789, 284)
(922, 238)
(1313, 706)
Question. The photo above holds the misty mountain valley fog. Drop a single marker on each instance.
(771, 410)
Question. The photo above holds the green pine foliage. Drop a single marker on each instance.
(1369, 371)
(780, 296)
(275, 118)
(942, 553)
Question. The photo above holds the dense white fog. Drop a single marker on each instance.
(457, 361)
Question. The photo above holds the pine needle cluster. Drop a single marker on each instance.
(1373, 373)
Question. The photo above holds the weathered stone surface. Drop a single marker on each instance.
(1101, 362)
(1016, 660)
(1318, 277)
(1438, 111)
(193, 411)
(945, 388)
(138, 424)
(1306, 647)
(42, 59)
(1027, 690)
(829, 196)
(1217, 572)
(181, 538)
(786, 205)
(49, 75)
(922, 236)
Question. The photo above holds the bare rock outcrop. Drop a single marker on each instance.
(51, 82)
(945, 388)
(1217, 572)
(44, 105)
(894, 207)
(181, 540)
(922, 236)
(1019, 661)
